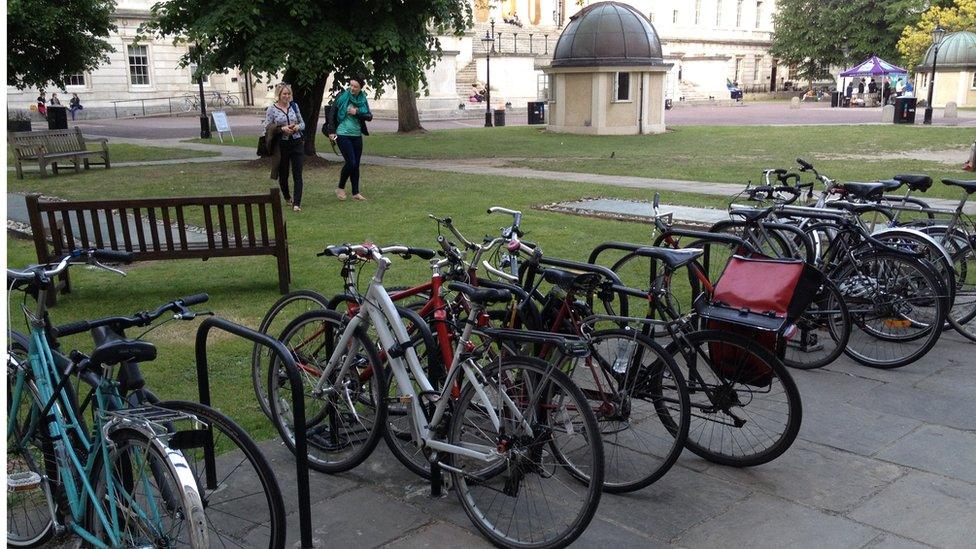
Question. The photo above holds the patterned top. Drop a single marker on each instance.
(279, 117)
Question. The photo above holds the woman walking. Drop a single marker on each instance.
(285, 117)
(74, 105)
(347, 119)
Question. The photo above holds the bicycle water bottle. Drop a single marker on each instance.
(625, 349)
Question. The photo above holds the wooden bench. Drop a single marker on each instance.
(49, 147)
(155, 229)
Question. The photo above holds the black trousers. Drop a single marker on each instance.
(352, 151)
(292, 155)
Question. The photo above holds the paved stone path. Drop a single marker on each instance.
(883, 459)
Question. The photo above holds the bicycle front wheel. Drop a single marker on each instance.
(525, 497)
(640, 401)
(148, 496)
(822, 331)
(745, 406)
(241, 497)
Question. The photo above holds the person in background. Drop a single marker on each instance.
(54, 99)
(909, 89)
(850, 90)
(285, 115)
(42, 103)
(860, 86)
(872, 86)
(346, 126)
(74, 105)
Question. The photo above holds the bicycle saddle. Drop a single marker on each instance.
(856, 209)
(864, 191)
(968, 185)
(671, 257)
(482, 296)
(115, 351)
(915, 182)
(572, 282)
(751, 215)
(891, 185)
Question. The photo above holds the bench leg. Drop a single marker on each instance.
(20, 171)
(43, 166)
(107, 164)
(77, 162)
(283, 275)
(87, 167)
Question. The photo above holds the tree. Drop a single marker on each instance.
(953, 16)
(307, 40)
(48, 42)
(811, 34)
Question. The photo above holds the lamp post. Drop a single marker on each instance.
(196, 52)
(489, 43)
(938, 33)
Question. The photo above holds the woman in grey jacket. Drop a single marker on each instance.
(285, 114)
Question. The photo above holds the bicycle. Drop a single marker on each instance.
(495, 438)
(223, 459)
(218, 99)
(117, 484)
(190, 103)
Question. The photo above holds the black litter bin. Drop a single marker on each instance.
(537, 112)
(499, 117)
(57, 118)
(835, 99)
(905, 110)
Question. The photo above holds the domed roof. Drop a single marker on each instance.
(608, 34)
(957, 51)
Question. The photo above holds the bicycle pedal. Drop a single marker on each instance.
(23, 481)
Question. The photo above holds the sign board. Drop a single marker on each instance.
(222, 124)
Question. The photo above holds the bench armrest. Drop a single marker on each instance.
(96, 139)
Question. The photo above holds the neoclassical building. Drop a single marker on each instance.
(955, 71)
(706, 42)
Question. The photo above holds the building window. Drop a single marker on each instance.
(193, 78)
(675, 18)
(738, 70)
(718, 13)
(621, 86)
(76, 79)
(697, 12)
(756, 68)
(138, 65)
(974, 79)
(758, 14)
(738, 13)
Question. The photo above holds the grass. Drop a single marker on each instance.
(124, 152)
(725, 154)
(242, 289)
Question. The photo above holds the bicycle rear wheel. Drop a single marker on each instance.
(745, 406)
(525, 497)
(822, 331)
(241, 497)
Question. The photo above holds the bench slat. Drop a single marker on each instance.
(69, 238)
(110, 225)
(264, 225)
(153, 228)
(52, 225)
(250, 224)
(96, 228)
(126, 236)
(168, 227)
(236, 219)
(140, 233)
(181, 226)
(82, 228)
(208, 222)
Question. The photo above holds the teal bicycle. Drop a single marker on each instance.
(118, 483)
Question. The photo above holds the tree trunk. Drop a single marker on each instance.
(408, 119)
(309, 99)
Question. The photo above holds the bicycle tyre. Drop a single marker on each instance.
(707, 386)
(171, 475)
(838, 329)
(256, 528)
(326, 438)
(261, 355)
(646, 365)
(530, 371)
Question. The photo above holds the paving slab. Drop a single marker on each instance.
(936, 449)
(438, 535)
(817, 476)
(891, 541)
(767, 521)
(853, 429)
(926, 508)
(922, 404)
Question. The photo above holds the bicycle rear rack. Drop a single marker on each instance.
(153, 420)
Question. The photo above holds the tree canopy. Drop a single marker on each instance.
(811, 34)
(384, 40)
(915, 40)
(47, 42)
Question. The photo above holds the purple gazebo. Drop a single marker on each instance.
(874, 66)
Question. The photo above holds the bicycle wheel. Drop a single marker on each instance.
(241, 497)
(963, 313)
(188, 104)
(278, 316)
(344, 422)
(745, 406)
(153, 494)
(232, 100)
(525, 497)
(31, 468)
(640, 401)
(897, 307)
(822, 331)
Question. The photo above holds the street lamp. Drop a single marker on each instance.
(938, 33)
(197, 53)
(488, 42)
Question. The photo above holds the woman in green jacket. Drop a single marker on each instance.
(351, 114)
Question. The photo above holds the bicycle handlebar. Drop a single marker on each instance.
(91, 255)
(364, 250)
(144, 318)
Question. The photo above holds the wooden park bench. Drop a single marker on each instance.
(155, 229)
(50, 147)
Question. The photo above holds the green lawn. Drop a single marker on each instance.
(124, 152)
(695, 153)
(242, 289)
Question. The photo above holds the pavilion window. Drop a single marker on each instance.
(698, 11)
(718, 13)
(738, 13)
(621, 88)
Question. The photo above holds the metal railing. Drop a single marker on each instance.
(187, 102)
(521, 42)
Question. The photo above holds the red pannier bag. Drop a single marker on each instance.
(757, 298)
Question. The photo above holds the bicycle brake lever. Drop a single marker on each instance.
(95, 263)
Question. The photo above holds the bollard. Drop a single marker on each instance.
(795, 103)
(951, 113)
(888, 114)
